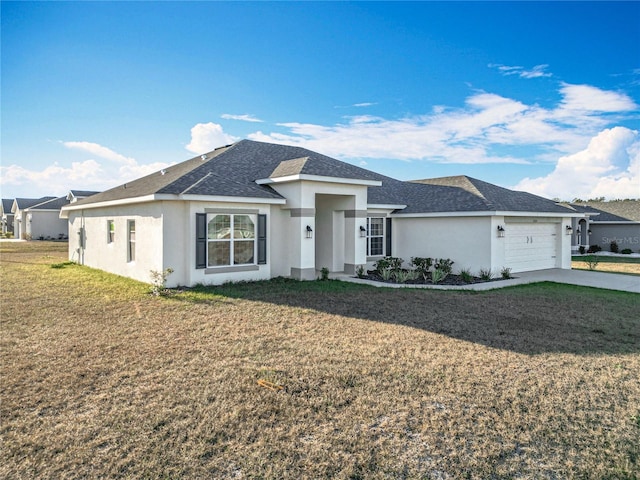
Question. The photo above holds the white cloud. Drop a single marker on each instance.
(90, 174)
(100, 151)
(609, 167)
(244, 118)
(208, 136)
(536, 72)
(585, 98)
(364, 104)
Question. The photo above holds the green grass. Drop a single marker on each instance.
(607, 259)
(100, 379)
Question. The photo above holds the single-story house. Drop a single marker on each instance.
(7, 216)
(605, 222)
(40, 218)
(254, 210)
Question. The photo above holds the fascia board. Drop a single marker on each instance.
(384, 206)
(486, 214)
(613, 222)
(319, 178)
(169, 197)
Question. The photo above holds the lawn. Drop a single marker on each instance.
(612, 264)
(100, 379)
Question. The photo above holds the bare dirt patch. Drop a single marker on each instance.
(101, 379)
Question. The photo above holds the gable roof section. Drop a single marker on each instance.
(461, 193)
(22, 203)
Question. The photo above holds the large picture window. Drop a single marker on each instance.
(231, 239)
(375, 236)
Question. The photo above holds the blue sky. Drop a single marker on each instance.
(540, 96)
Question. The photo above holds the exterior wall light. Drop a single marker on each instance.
(589, 232)
(363, 231)
(309, 232)
(501, 231)
(569, 229)
(578, 232)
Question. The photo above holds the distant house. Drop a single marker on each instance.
(40, 218)
(7, 216)
(256, 210)
(606, 222)
(75, 195)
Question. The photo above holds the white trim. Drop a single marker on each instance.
(485, 214)
(384, 206)
(170, 197)
(614, 222)
(318, 178)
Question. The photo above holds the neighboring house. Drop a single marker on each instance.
(39, 219)
(7, 216)
(75, 195)
(255, 210)
(606, 222)
(18, 208)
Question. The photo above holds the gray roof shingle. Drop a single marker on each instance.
(234, 169)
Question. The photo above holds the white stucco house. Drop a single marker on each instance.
(605, 222)
(254, 210)
(7, 217)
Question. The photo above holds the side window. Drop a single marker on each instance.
(131, 241)
(111, 231)
(375, 236)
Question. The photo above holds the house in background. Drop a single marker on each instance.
(75, 195)
(7, 216)
(39, 219)
(253, 210)
(606, 222)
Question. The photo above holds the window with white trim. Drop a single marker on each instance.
(111, 231)
(231, 239)
(375, 236)
(131, 241)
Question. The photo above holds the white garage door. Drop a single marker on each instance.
(530, 246)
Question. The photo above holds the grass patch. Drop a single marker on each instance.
(606, 263)
(101, 379)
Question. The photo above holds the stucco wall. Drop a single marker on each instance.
(45, 224)
(465, 240)
(626, 236)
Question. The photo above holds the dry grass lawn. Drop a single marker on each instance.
(102, 380)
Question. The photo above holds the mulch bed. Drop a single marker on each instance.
(451, 279)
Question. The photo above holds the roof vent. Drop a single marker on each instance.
(163, 171)
(203, 157)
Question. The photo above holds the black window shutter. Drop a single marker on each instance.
(388, 238)
(262, 239)
(201, 240)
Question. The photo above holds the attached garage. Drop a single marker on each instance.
(531, 244)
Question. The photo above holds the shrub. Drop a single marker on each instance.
(582, 250)
(159, 281)
(422, 266)
(466, 275)
(444, 264)
(592, 261)
(393, 263)
(402, 276)
(627, 251)
(438, 275)
(360, 271)
(324, 274)
(613, 246)
(594, 249)
(505, 273)
(386, 274)
(485, 274)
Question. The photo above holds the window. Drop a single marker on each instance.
(111, 231)
(375, 236)
(231, 239)
(131, 241)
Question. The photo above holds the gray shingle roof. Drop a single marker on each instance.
(6, 205)
(82, 193)
(23, 203)
(616, 211)
(53, 204)
(234, 169)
